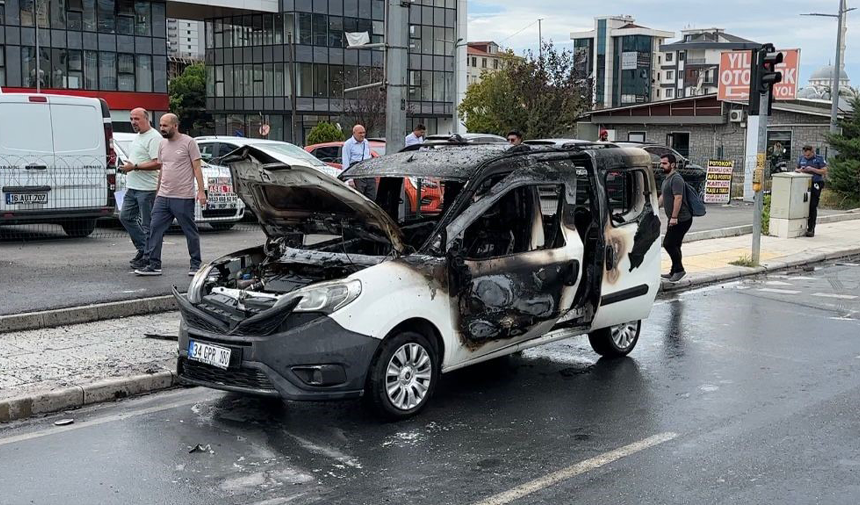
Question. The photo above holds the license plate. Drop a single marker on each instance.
(210, 354)
(25, 198)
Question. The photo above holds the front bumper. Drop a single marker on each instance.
(283, 363)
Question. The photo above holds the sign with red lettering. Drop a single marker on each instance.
(734, 83)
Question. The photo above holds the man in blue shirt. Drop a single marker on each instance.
(815, 165)
(355, 149)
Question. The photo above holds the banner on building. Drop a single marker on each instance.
(734, 78)
(629, 60)
(718, 185)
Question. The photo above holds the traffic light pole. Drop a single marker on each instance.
(759, 176)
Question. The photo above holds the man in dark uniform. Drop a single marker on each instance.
(815, 165)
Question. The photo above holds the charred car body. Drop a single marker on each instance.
(350, 297)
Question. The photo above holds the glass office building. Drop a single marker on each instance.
(248, 65)
(113, 49)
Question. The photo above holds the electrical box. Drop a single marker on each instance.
(789, 204)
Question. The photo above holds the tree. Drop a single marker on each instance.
(188, 100)
(540, 96)
(367, 106)
(324, 132)
(843, 173)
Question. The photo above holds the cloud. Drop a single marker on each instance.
(782, 24)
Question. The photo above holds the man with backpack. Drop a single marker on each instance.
(674, 200)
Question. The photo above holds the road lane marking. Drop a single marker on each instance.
(777, 283)
(779, 291)
(96, 422)
(576, 469)
(833, 295)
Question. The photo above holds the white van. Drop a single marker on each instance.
(57, 163)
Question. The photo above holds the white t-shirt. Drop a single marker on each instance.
(144, 148)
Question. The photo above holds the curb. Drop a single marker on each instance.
(86, 313)
(747, 229)
(77, 396)
(732, 273)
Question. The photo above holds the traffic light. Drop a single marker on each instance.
(767, 75)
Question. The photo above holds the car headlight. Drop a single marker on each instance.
(325, 297)
(195, 288)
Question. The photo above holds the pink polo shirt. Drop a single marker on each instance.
(177, 171)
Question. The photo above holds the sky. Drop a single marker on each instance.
(514, 25)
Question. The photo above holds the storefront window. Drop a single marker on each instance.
(107, 71)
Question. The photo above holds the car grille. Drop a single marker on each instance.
(219, 212)
(249, 378)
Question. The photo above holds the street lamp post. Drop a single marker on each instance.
(837, 64)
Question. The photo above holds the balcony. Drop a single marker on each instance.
(698, 61)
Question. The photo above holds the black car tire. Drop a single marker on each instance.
(379, 381)
(606, 343)
(79, 228)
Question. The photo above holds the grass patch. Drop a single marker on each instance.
(836, 201)
(743, 261)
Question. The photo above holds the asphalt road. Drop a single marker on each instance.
(739, 393)
(41, 268)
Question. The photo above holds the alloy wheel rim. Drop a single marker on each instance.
(624, 334)
(408, 376)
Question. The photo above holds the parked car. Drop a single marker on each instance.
(392, 299)
(223, 208)
(331, 153)
(471, 138)
(56, 161)
(695, 175)
(213, 148)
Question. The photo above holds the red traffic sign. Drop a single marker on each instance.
(734, 78)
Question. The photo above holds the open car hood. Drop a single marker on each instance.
(289, 199)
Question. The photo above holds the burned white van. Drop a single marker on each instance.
(350, 297)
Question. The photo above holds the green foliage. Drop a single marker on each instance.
(188, 100)
(540, 96)
(743, 261)
(324, 132)
(844, 169)
(765, 216)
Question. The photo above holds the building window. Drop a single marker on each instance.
(659, 76)
(2, 61)
(658, 93)
(91, 70)
(125, 72)
(679, 141)
(483, 63)
(659, 59)
(474, 62)
(495, 64)
(670, 75)
(681, 56)
(107, 71)
(125, 18)
(670, 93)
(668, 57)
(143, 75)
(636, 136)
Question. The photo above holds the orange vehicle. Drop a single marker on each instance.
(331, 153)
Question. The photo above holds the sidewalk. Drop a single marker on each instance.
(60, 368)
(708, 261)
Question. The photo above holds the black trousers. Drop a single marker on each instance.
(672, 243)
(814, 197)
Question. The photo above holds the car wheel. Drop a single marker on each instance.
(80, 228)
(222, 226)
(403, 375)
(615, 341)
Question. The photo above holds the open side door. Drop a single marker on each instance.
(514, 260)
(631, 274)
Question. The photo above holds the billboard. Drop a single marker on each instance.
(734, 78)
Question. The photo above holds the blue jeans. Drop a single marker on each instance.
(163, 213)
(136, 215)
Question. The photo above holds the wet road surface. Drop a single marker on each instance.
(739, 393)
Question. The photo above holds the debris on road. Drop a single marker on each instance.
(202, 448)
(64, 422)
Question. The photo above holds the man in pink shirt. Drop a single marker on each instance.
(176, 194)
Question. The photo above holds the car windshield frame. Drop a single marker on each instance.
(288, 149)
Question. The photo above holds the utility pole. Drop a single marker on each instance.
(540, 38)
(837, 64)
(764, 78)
(38, 50)
(396, 74)
(837, 70)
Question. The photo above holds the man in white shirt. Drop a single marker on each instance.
(141, 182)
(355, 149)
(417, 135)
